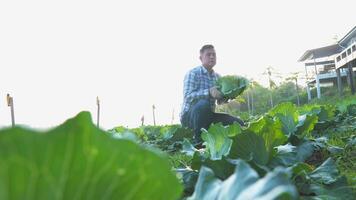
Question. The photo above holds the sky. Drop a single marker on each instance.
(56, 57)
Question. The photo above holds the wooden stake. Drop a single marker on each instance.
(98, 112)
(296, 88)
(252, 104)
(248, 102)
(172, 116)
(142, 120)
(10, 103)
(154, 117)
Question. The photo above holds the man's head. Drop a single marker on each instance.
(208, 56)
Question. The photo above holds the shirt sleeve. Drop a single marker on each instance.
(192, 91)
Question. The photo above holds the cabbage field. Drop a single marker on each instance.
(288, 153)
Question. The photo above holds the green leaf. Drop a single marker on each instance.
(326, 113)
(306, 125)
(243, 177)
(217, 141)
(300, 168)
(325, 183)
(249, 146)
(275, 185)
(207, 186)
(233, 129)
(288, 124)
(351, 109)
(189, 179)
(271, 132)
(126, 135)
(257, 126)
(222, 168)
(325, 173)
(231, 86)
(78, 161)
(288, 115)
(286, 156)
(244, 184)
(305, 150)
(188, 148)
(285, 109)
(178, 134)
(334, 191)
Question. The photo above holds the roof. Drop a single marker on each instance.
(328, 50)
(348, 36)
(320, 52)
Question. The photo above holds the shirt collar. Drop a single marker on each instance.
(205, 71)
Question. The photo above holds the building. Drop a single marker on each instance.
(331, 65)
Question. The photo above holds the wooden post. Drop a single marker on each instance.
(98, 111)
(270, 86)
(252, 107)
(296, 88)
(308, 92)
(339, 81)
(317, 81)
(351, 77)
(306, 72)
(172, 116)
(153, 112)
(10, 103)
(271, 98)
(248, 103)
(142, 120)
(306, 79)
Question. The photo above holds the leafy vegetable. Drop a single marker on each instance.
(217, 139)
(231, 86)
(78, 161)
(244, 184)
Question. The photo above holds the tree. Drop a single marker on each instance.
(294, 77)
(271, 72)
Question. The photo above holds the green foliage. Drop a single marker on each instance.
(285, 156)
(244, 184)
(222, 168)
(271, 132)
(231, 86)
(217, 139)
(286, 148)
(297, 139)
(250, 147)
(323, 183)
(287, 114)
(78, 161)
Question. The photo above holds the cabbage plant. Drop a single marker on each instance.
(231, 86)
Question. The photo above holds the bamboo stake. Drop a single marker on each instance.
(154, 117)
(252, 103)
(297, 90)
(10, 103)
(98, 112)
(248, 103)
(142, 120)
(172, 116)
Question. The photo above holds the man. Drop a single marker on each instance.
(200, 95)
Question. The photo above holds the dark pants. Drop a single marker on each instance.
(201, 116)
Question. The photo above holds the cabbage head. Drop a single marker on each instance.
(231, 86)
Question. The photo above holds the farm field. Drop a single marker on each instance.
(289, 152)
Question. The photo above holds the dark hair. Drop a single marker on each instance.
(205, 47)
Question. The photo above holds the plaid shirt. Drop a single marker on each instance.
(196, 86)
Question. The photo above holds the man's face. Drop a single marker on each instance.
(208, 58)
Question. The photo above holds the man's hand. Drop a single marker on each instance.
(215, 93)
(222, 101)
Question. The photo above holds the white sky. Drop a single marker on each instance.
(57, 56)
